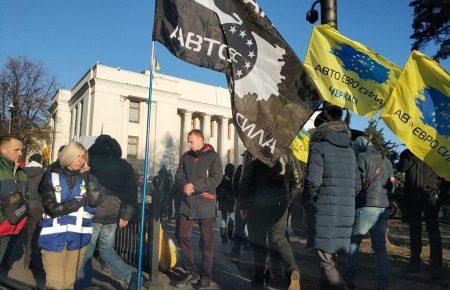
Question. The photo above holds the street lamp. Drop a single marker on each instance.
(11, 108)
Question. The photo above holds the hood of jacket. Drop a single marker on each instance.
(207, 148)
(336, 133)
(106, 145)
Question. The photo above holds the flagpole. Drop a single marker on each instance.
(146, 165)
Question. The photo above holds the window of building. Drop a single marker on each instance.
(134, 111)
(75, 125)
(229, 156)
(72, 123)
(132, 151)
(230, 129)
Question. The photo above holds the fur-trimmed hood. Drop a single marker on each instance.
(337, 133)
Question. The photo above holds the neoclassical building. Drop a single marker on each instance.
(113, 101)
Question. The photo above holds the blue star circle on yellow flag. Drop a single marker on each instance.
(360, 63)
(435, 109)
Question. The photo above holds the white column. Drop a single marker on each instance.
(222, 140)
(206, 127)
(187, 126)
(236, 149)
(78, 125)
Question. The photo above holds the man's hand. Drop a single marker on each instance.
(189, 189)
(244, 214)
(122, 223)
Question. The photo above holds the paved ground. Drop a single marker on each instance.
(235, 276)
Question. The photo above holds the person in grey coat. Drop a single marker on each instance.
(331, 183)
(371, 216)
(198, 175)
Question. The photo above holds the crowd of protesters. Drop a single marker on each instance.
(64, 212)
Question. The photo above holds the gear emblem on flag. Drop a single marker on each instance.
(435, 109)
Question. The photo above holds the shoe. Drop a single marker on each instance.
(437, 273)
(412, 268)
(258, 283)
(187, 281)
(233, 256)
(201, 284)
(295, 281)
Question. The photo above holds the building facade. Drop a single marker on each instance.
(113, 101)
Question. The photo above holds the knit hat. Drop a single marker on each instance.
(328, 114)
(36, 157)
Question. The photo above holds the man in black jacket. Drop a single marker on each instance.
(117, 177)
(371, 214)
(265, 195)
(422, 191)
(198, 175)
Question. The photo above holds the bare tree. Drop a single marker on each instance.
(29, 87)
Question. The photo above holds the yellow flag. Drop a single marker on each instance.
(300, 146)
(418, 111)
(347, 73)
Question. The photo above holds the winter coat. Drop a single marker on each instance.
(12, 179)
(225, 195)
(35, 172)
(116, 175)
(331, 183)
(376, 194)
(54, 208)
(422, 184)
(203, 169)
(262, 186)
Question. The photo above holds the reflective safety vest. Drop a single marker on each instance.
(73, 230)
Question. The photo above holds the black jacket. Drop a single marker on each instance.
(225, 195)
(203, 168)
(421, 182)
(331, 183)
(262, 186)
(34, 172)
(94, 192)
(376, 194)
(117, 177)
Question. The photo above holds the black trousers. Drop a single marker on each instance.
(240, 238)
(271, 224)
(430, 216)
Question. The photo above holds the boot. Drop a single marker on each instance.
(295, 281)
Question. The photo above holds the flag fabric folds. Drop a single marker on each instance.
(348, 74)
(272, 96)
(418, 111)
(300, 145)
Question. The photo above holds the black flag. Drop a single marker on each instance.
(272, 96)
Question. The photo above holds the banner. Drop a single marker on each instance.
(300, 145)
(418, 112)
(348, 74)
(272, 95)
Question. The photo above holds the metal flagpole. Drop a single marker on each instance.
(144, 191)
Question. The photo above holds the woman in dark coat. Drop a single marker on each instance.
(331, 182)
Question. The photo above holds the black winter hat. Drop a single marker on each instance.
(328, 114)
(36, 157)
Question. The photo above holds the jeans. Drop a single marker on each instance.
(273, 226)
(105, 236)
(374, 221)
(184, 233)
(431, 213)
